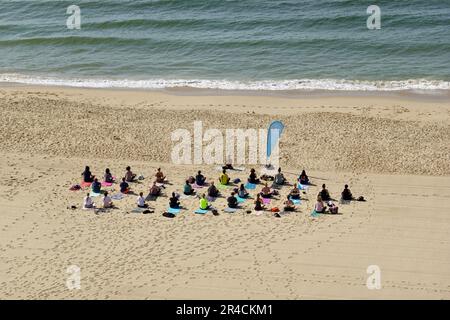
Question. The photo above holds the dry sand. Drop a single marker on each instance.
(394, 150)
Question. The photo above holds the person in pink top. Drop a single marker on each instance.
(319, 207)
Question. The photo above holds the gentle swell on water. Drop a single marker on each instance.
(235, 45)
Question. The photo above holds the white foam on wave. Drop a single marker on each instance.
(272, 85)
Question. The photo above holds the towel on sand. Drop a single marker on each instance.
(173, 210)
(250, 186)
(85, 184)
(314, 214)
(118, 196)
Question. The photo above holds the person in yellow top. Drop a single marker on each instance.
(224, 178)
(204, 203)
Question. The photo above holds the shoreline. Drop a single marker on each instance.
(432, 95)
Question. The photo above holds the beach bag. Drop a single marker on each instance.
(334, 209)
(75, 187)
(361, 198)
(237, 180)
(275, 209)
(215, 212)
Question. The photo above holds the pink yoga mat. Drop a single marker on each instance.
(266, 200)
(85, 184)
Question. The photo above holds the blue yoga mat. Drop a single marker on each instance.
(250, 186)
(93, 194)
(173, 210)
(230, 210)
(201, 211)
(314, 213)
(239, 199)
(302, 186)
(295, 201)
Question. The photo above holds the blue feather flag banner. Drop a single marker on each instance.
(273, 135)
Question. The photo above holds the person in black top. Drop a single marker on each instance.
(232, 201)
(212, 190)
(258, 203)
(200, 179)
(173, 201)
(253, 177)
(346, 194)
(303, 178)
(87, 175)
(324, 193)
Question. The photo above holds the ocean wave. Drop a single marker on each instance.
(263, 85)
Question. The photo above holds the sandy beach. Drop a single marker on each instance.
(391, 148)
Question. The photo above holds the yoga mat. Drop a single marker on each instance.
(265, 200)
(138, 210)
(239, 199)
(173, 210)
(196, 186)
(150, 198)
(222, 186)
(314, 214)
(250, 186)
(295, 201)
(93, 194)
(302, 187)
(211, 199)
(106, 184)
(85, 184)
(118, 196)
(230, 210)
(200, 211)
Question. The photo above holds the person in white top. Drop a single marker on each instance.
(88, 202)
(107, 201)
(141, 201)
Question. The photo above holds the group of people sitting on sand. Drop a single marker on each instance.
(267, 192)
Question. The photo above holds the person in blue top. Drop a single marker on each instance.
(124, 186)
(187, 189)
(96, 186)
